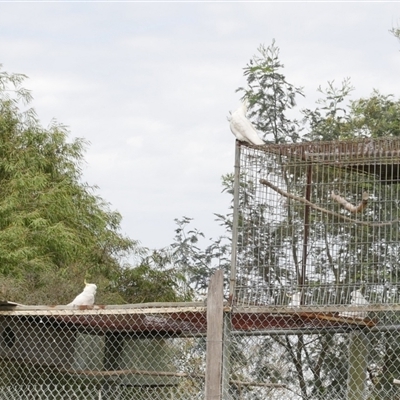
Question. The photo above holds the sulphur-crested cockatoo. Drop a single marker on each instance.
(242, 128)
(357, 299)
(296, 298)
(86, 298)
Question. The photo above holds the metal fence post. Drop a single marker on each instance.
(236, 184)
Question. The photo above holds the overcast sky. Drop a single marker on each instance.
(150, 85)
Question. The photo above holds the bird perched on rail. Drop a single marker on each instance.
(357, 299)
(242, 128)
(86, 298)
(295, 300)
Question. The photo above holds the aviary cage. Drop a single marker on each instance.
(316, 222)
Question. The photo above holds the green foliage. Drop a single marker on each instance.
(395, 32)
(55, 231)
(329, 120)
(179, 272)
(196, 263)
(52, 225)
(145, 283)
(48, 218)
(271, 96)
(376, 116)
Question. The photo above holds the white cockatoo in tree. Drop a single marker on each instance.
(357, 299)
(86, 298)
(242, 128)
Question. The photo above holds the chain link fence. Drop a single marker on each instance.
(111, 353)
(161, 353)
(314, 355)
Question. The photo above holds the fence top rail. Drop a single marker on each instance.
(191, 318)
(357, 148)
(9, 308)
(379, 157)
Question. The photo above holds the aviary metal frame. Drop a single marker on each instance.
(316, 219)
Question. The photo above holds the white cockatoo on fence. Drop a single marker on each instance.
(357, 299)
(242, 128)
(86, 298)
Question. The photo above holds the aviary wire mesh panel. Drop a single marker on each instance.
(318, 223)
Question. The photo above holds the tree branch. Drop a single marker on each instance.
(324, 210)
(350, 207)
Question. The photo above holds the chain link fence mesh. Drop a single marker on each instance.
(159, 354)
(131, 353)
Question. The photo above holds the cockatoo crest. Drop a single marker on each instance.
(86, 298)
(242, 128)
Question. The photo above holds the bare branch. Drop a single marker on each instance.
(324, 210)
(350, 207)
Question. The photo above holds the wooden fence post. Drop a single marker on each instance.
(214, 337)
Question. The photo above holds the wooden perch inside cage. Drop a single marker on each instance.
(350, 207)
(324, 210)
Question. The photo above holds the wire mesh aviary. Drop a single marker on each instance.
(319, 221)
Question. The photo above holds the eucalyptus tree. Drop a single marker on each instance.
(271, 96)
